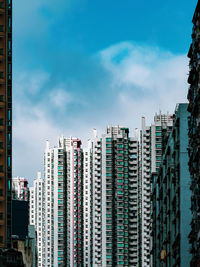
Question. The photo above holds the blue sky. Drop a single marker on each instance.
(80, 64)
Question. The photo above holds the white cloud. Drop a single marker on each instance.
(60, 97)
(31, 82)
(146, 79)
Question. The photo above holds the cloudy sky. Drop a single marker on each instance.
(84, 64)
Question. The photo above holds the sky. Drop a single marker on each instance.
(84, 64)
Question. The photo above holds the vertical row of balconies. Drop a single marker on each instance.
(96, 213)
(133, 202)
(145, 214)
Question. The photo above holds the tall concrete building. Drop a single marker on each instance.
(20, 188)
(56, 205)
(112, 179)
(150, 158)
(53, 233)
(36, 214)
(63, 204)
(194, 137)
(171, 214)
(5, 122)
(73, 203)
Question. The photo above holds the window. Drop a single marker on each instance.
(158, 128)
(1, 122)
(9, 161)
(158, 146)
(158, 134)
(1, 74)
(1, 96)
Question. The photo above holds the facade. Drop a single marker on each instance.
(20, 219)
(36, 214)
(51, 203)
(32, 206)
(24, 247)
(5, 122)
(194, 138)
(150, 158)
(11, 258)
(20, 188)
(87, 206)
(23, 234)
(63, 204)
(113, 195)
(171, 198)
(74, 203)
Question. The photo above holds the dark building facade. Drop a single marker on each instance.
(11, 258)
(171, 196)
(20, 219)
(5, 122)
(194, 136)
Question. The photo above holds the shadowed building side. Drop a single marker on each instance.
(5, 121)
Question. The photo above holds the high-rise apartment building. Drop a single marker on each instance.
(171, 196)
(63, 204)
(112, 179)
(5, 122)
(20, 188)
(194, 137)
(56, 205)
(74, 203)
(53, 233)
(36, 214)
(150, 159)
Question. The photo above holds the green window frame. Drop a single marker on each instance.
(158, 134)
(159, 128)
